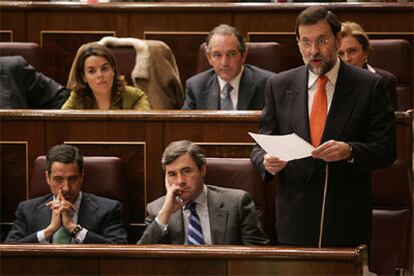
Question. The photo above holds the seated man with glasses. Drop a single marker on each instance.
(230, 84)
(67, 215)
(326, 199)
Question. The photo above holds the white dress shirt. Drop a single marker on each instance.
(235, 83)
(332, 76)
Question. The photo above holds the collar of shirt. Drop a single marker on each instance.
(235, 83)
(332, 76)
(202, 211)
(371, 69)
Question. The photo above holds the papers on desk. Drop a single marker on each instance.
(285, 147)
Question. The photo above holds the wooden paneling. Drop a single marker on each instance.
(170, 22)
(139, 139)
(14, 22)
(179, 260)
(6, 36)
(184, 45)
(60, 48)
(13, 177)
(291, 55)
(67, 20)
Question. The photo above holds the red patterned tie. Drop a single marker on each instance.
(319, 111)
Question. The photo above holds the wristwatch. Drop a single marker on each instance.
(75, 231)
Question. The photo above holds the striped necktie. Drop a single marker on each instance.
(195, 233)
(225, 99)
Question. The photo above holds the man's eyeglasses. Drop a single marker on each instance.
(319, 43)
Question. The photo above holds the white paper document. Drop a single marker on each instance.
(285, 147)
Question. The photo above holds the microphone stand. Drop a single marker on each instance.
(323, 206)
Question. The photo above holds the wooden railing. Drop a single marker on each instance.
(29, 259)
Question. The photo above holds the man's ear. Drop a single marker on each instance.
(338, 40)
(210, 61)
(47, 177)
(203, 170)
(244, 55)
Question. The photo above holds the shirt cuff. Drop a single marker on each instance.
(41, 237)
(81, 235)
(164, 227)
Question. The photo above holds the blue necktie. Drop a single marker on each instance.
(195, 233)
(225, 99)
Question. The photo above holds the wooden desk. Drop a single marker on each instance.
(138, 138)
(34, 259)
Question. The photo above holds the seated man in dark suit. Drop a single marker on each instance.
(22, 86)
(194, 213)
(67, 215)
(229, 85)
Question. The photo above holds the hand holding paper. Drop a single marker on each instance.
(285, 147)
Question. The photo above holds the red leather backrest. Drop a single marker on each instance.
(31, 52)
(238, 173)
(103, 177)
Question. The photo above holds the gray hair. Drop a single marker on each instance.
(225, 29)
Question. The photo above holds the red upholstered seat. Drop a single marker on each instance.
(392, 229)
(396, 56)
(31, 52)
(238, 173)
(103, 177)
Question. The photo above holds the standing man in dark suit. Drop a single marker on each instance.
(224, 216)
(229, 85)
(23, 87)
(356, 137)
(67, 215)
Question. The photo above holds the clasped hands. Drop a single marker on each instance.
(61, 215)
(329, 151)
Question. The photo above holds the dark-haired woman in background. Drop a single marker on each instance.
(97, 84)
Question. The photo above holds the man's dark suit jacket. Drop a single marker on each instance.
(391, 83)
(22, 86)
(232, 216)
(203, 90)
(361, 114)
(102, 217)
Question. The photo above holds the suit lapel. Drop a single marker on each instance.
(342, 104)
(246, 89)
(43, 214)
(343, 100)
(217, 216)
(211, 95)
(297, 97)
(87, 211)
(176, 228)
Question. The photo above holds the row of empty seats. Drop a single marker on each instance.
(392, 55)
(391, 247)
